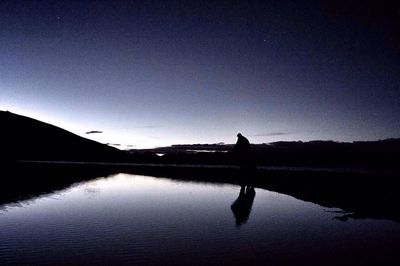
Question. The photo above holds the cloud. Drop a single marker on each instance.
(271, 134)
(94, 132)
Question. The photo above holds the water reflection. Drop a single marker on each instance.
(132, 219)
(241, 207)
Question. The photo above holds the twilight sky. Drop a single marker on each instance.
(154, 73)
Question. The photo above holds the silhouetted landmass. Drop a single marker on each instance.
(25, 138)
(381, 154)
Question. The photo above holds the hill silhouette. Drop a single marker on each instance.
(25, 138)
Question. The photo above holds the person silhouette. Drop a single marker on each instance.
(243, 153)
(241, 207)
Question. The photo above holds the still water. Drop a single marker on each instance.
(131, 219)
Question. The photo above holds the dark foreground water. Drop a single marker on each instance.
(130, 219)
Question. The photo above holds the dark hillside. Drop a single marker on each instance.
(25, 138)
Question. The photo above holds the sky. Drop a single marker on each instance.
(153, 73)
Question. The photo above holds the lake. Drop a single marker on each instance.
(133, 219)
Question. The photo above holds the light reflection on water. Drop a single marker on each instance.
(138, 219)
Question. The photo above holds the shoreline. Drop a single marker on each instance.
(358, 194)
(355, 170)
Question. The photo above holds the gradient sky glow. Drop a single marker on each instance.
(154, 73)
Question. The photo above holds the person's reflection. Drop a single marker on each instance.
(241, 207)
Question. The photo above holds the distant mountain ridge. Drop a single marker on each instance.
(26, 138)
(359, 154)
(385, 144)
